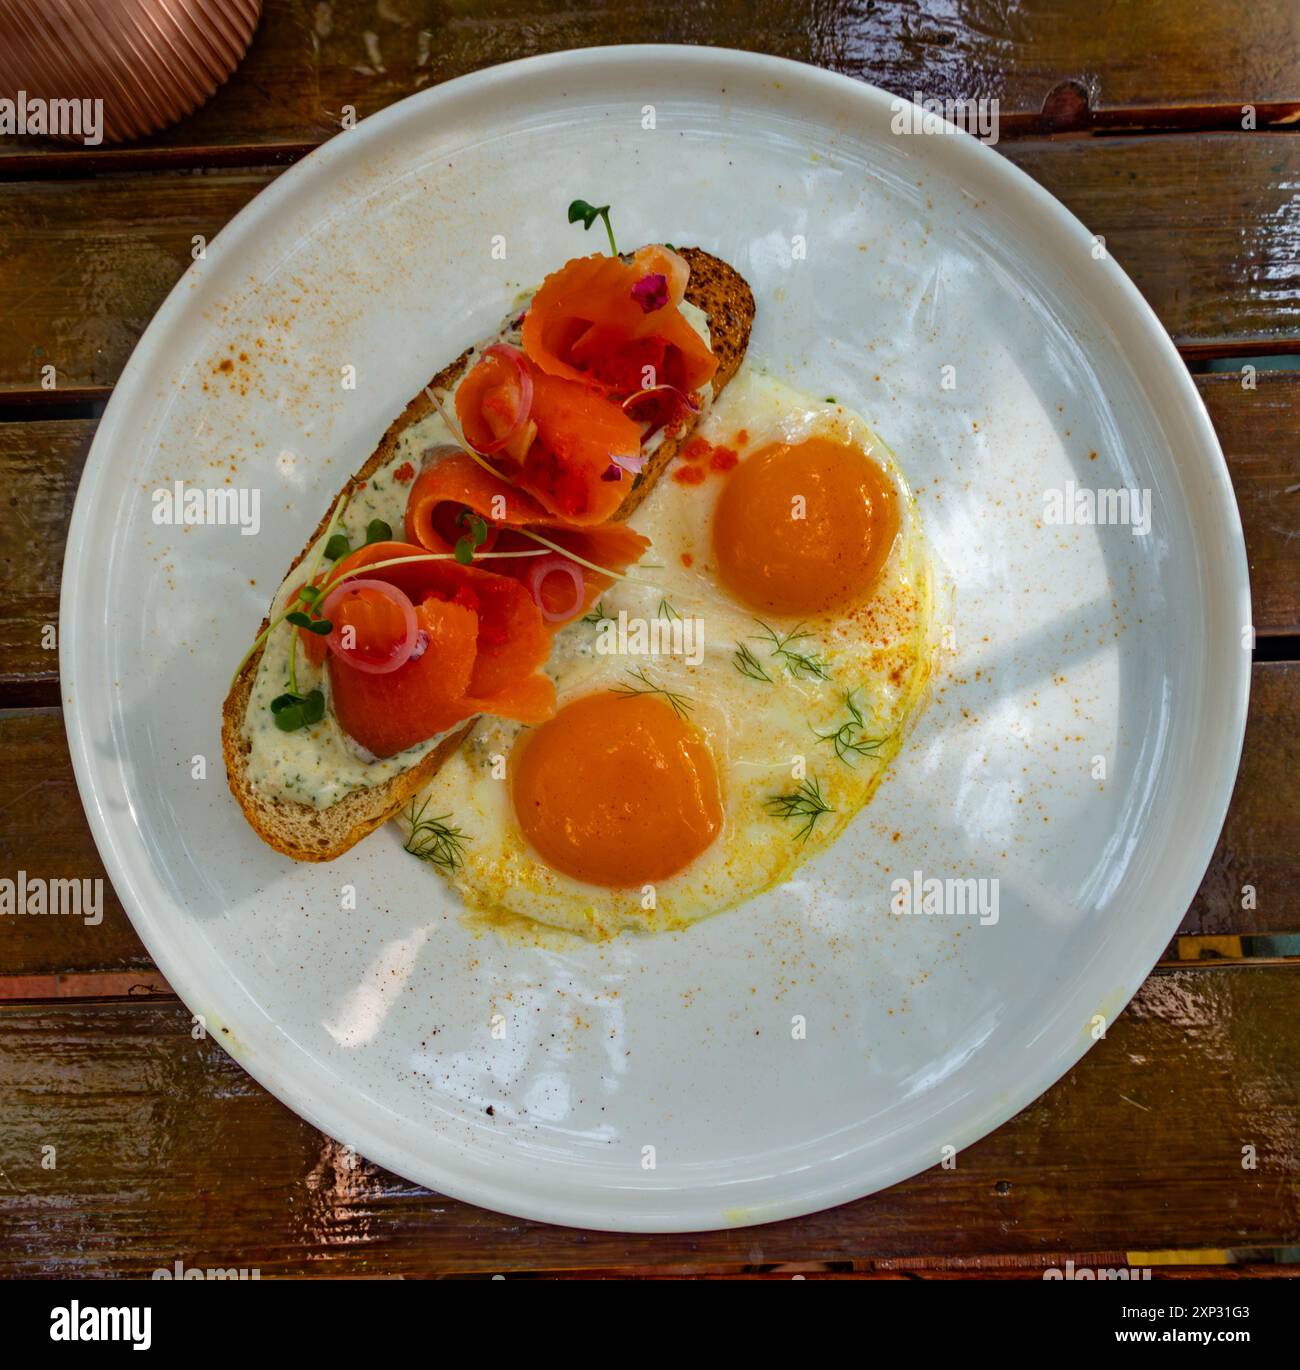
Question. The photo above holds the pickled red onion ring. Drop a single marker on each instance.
(632, 465)
(405, 647)
(659, 406)
(513, 357)
(555, 565)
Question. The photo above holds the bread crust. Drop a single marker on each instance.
(307, 833)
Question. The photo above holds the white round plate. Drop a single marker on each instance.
(811, 1046)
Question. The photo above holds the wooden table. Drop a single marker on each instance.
(1131, 113)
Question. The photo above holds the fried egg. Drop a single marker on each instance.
(726, 708)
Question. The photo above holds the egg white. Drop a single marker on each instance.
(763, 735)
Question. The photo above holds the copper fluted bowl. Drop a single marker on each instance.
(150, 61)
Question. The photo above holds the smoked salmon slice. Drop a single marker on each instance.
(563, 455)
(492, 403)
(570, 468)
(486, 644)
(618, 325)
(454, 484)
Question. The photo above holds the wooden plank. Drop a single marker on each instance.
(1259, 847)
(88, 262)
(109, 984)
(40, 468)
(1161, 62)
(1223, 273)
(45, 833)
(166, 1150)
(1259, 431)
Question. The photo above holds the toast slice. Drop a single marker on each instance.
(307, 833)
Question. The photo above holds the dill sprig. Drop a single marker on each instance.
(433, 840)
(843, 739)
(804, 802)
(666, 610)
(797, 662)
(748, 664)
(681, 706)
(597, 616)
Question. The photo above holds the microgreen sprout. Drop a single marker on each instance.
(312, 596)
(299, 598)
(340, 544)
(313, 622)
(322, 627)
(581, 212)
(293, 711)
(469, 544)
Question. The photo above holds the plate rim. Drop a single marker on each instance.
(674, 1209)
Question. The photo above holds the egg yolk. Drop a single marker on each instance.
(616, 790)
(804, 528)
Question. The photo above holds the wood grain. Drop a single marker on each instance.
(45, 833)
(1259, 431)
(1260, 843)
(166, 1151)
(88, 262)
(1161, 62)
(1205, 224)
(40, 468)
